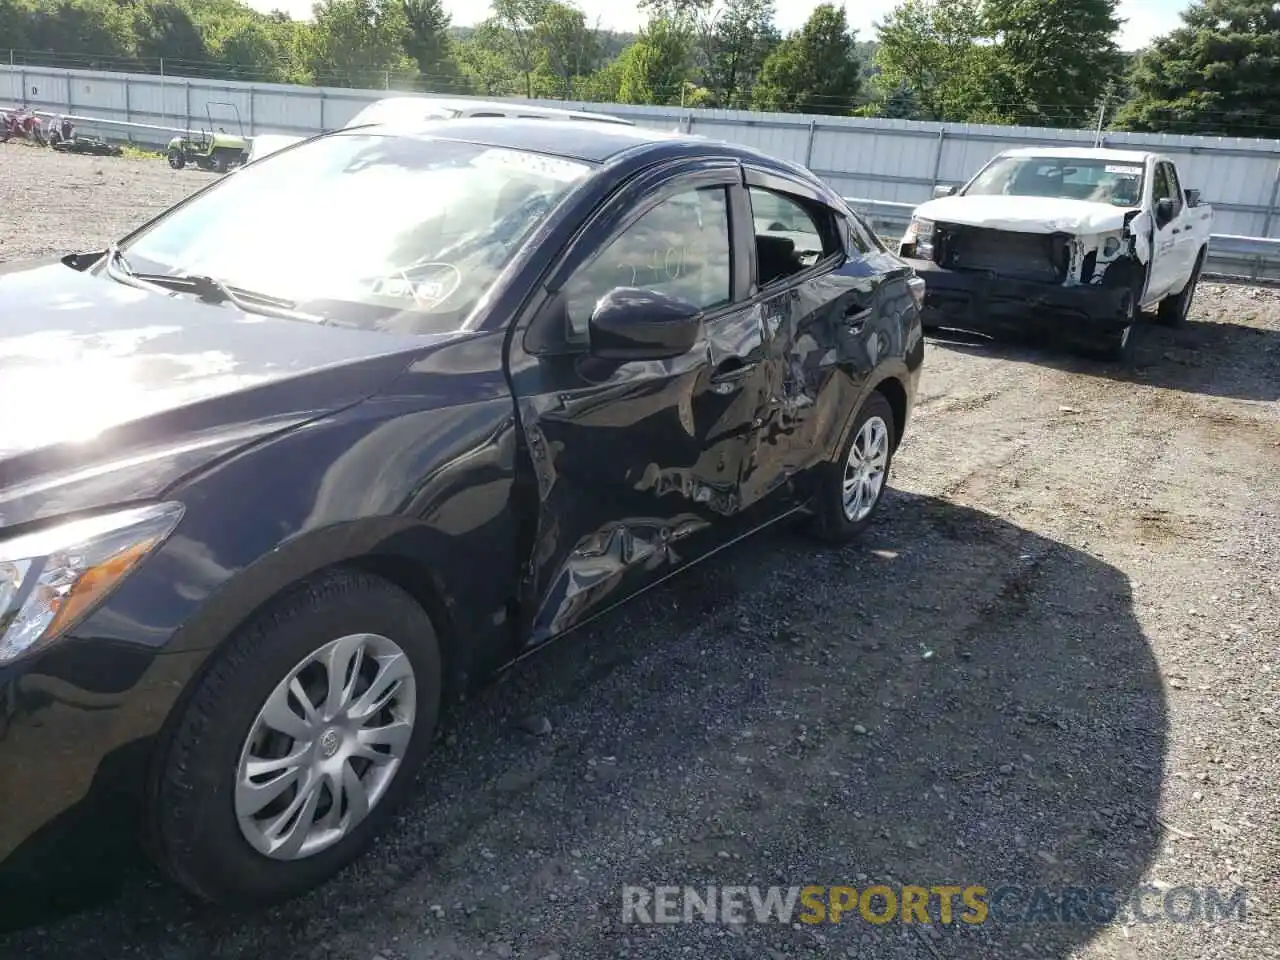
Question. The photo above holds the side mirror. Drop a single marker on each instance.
(634, 324)
(1164, 211)
(943, 191)
(1193, 196)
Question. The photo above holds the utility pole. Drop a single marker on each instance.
(1102, 115)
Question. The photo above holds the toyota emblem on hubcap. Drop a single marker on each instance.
(330, 740)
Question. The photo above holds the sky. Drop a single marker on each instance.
(1146, 18)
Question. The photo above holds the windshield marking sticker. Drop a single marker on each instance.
(1124, 169)
(425, 293)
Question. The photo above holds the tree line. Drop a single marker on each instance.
(1033, 62)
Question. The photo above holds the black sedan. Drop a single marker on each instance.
(349, 431)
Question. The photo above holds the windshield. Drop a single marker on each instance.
(1068, 178)
(402, 110)
(386, 233)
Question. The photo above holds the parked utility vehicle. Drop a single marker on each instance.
(1084, 239)
(212, 148)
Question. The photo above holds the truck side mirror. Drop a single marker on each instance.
(1193, 197)
(943, 191)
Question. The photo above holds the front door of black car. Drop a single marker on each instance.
(638, 464)
(818, 300)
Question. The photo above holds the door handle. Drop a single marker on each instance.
(730, 374)
(855, 318)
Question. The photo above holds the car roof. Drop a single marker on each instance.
(573, 140)
(1080, 153)
(514, 106)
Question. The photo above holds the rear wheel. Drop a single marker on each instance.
(298, 743)
(850, 488)
(176, 159)
(1174, 310)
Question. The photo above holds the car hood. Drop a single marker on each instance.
(127, 390)
(1026, 214)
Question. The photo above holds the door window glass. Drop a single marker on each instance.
(681, 248)
(789, 239)
(1175, 189)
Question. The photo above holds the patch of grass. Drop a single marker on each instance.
(133, 151)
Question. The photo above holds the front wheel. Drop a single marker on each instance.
(298, 743)
(1173, 311)
(849, 489)
(176, 159)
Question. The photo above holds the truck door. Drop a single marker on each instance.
(1167, 271)
(1185, 243)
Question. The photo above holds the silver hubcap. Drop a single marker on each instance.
(864, 472)
(325, 746)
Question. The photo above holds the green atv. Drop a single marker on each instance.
(210, 150)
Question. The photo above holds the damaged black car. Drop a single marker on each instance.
(349, 432)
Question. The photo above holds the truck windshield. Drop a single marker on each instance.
(1067, 178)
(403, 234)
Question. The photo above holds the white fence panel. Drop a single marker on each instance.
(879, 159)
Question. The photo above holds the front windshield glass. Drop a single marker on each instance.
(387, 233)
(1067, 178)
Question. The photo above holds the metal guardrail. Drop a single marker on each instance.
(1231, 257)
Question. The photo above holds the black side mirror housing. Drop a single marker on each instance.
(1164, 210)
(943, 191)
(1193, 196)
(630, 323)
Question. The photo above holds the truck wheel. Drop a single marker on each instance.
(176, 159)
(299, 741)
(1119, 346)
(1173, 311)
(849, 489)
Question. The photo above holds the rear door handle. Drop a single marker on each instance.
(856, 318)
(730, 374)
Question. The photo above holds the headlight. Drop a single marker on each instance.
(920, 235)
(1111, 246)
(51, 578)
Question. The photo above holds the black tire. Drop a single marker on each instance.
(176, 159)
(1120, 346)
(831, 521)
(1174, 310)
(193, 831)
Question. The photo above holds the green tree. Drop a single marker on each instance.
(1218, 73)
(931, 48)
(96, 29)
(736, 40)
(359, 43)
(518, 21)
(484, 61)
(570, 49)
(815, 70)
(249, 48)
(167, 29)
(658, 67)
(1055, 58)
(428, 42)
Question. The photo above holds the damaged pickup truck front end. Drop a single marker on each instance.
(998, 262)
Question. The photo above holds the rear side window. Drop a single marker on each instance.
(792, 234)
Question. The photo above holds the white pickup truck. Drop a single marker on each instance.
(1080, 239)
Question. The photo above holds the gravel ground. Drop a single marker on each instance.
(1052, 663)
